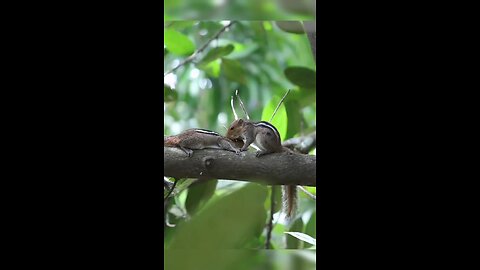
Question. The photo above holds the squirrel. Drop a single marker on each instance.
(267, 139)
(197, 138)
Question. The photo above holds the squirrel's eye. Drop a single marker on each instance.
(231, 128)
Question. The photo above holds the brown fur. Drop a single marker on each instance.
(269, 142)
(290, 197)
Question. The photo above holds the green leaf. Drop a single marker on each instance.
(181, 185)
(280, 121)
(180, 25)
(169, 94)
(301, 76)
(297, 226)
(304, 97)
(277, 199)
(303, 237)
(294, 117)
(311, 227)
(228, 222)
(212, 68)
(178, 43)
(233, 70)
(198, 194)
(290, 27)
(216, 53)
(184, 184)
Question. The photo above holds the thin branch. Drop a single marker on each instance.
(303, 144)
(201, 49)
(285, 168)
(270, 222)
(308, 193)
(171, 190)
(241, 105)
(165, 201)
(278, 106)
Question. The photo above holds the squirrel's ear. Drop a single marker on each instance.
(240, 121)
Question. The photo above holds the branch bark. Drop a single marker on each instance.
(273, 169)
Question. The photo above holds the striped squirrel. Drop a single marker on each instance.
(266, 137)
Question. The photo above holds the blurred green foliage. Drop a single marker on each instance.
(257, 58)
(239, 10)
(262, 61)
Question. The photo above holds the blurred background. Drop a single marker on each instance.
(240, 10)
(205, 63)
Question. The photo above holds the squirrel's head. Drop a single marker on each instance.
(235, 129)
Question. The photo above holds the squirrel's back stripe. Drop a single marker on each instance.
(268, 125)
(206, 131)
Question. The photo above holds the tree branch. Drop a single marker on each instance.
(191, 57)
(273, 169)
(302, 144)
(270, 221)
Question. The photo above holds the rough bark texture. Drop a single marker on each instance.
(273, 169)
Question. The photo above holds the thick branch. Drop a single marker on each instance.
(273, 169)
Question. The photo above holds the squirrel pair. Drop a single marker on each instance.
(240, 135)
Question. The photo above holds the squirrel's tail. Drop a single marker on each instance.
(289, 200)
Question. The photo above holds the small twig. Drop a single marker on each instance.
(171, 190)
(303, 144)
(270, 222)
(278, 106)
(191, 57)
(308, 193)
(233, 108)
(165, 200)
(241, 105)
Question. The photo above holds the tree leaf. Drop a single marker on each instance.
(277, 199)
(303, 237)
(280, 121)
(180, 25)
(293, 27)
(297, 226)
(228, 221)
(216, 53)
(301, 76)
(181, 185)
(212, 68)
(169, 94)
(198, 194)
(233, 70)
(178, 43)
(294, 117)
(311, 227)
